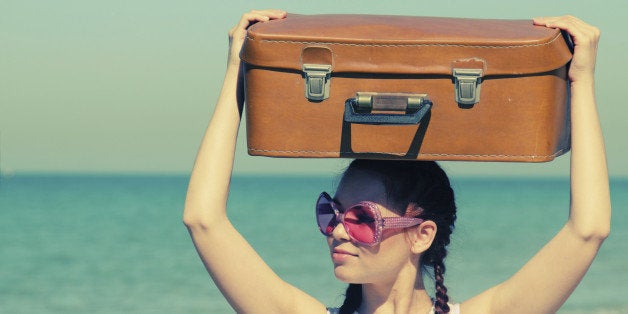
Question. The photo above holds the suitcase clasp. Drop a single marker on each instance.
(317, 81)
(467, 83)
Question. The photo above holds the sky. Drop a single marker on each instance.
(129, 86)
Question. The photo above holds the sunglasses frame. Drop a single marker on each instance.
(380, 222)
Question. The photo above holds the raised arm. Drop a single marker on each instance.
(547, 280)
(241, 275)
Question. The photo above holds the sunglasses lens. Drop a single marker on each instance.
(360, 222)
(325, 216)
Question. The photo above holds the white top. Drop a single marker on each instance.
(453, 309)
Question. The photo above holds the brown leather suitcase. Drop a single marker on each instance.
(402, 87)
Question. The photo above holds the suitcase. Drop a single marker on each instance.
(403, 87)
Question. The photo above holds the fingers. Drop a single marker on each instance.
(238, 32)
(254, 16)
(258, 16)
(585, 38)
(557, 21)
(573, 25)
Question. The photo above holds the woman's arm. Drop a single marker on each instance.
(241, 275)
(547, 280)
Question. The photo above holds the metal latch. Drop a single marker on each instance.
(317, 81)
(467, 83)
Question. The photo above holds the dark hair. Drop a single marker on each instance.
(425, 184)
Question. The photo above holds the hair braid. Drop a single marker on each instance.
(434, 258)
(440, 305)
(353, 299)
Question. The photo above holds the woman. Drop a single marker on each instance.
(385, 270)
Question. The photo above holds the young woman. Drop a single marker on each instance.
(384, 266)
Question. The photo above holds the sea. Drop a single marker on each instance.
(117, 244)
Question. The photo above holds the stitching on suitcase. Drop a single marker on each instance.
(407, 45)
(559, 152)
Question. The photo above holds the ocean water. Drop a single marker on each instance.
(116, 244)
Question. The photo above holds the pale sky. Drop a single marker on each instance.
(128, 86)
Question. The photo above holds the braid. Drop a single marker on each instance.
(440, 305)
(353, 299)
(434, 257)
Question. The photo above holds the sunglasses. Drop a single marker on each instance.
(363, 221)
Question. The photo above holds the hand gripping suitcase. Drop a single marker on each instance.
(401, 87)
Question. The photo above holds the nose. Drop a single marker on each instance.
(340, 233)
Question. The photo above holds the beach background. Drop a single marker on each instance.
(116, 244)
(103, 105)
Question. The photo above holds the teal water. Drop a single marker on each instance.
(116, 244)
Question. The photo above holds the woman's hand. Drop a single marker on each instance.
(585, 38)
(238, 32)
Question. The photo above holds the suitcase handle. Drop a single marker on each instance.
(358, 109)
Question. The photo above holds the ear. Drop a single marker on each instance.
(422, 236)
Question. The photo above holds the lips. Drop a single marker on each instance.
(338, 256)
(341, 251)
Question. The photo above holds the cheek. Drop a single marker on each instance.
(395, 238)
(395, 248)
(384, 266)
(394, 241)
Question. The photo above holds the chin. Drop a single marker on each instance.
(345, 275)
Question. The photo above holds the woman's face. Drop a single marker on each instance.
(355, 263)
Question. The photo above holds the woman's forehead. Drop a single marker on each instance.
(358, 187)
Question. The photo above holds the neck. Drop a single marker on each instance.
(405, 295)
